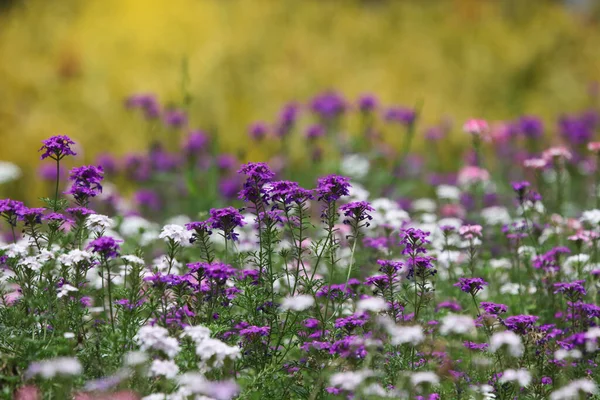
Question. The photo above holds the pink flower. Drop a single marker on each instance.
(557, 152)
(472, 174)
(470, 231)
(535, 163)
(594, 147)
(476, 126)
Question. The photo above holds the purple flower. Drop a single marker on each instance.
(226, 219)
(332, 187)
(328, 105)
(493, 308)
(352, 321)
(521, 189)
(147, 198)
(530, 126)
(450, 305)
(288, 192)
(195, 142)
(356, 212)
(475, 346)
(86, 182)
(314, 131)
(287, 119)
(106, 246)
(257, 175)
(258, 130)
(573, 290)
(145, 102)
(31, 216)
(420, 267)
(546, 380)
(226, 162)
(471, 285)
(367, 103)
(47, 172)
(217, 271)
(57, 147)
(10, 209)
(255, 331)
(107, 162)
(520, 323)
(175, 118)
(389, 267)
(80, 212)
(414, 241)
(401, 115)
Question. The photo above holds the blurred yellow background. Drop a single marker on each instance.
(67, 65)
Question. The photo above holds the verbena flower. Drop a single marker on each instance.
(57, 147)
(356, 212)
(86, 182)
(106, 246)
(226, 219)
(471, 285)
(332, 187)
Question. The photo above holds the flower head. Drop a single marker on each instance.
(106, 246)
(57, 147)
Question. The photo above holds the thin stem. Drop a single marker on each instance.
(55, 205)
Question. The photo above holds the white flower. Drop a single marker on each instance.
(509, 339)
(521, 376)
(591, 216)
(355, 166)
(297, 303)
(15, 250)
(134, 225)
(98, 222)
(592, 336)
(510, 288)
(31, 262)
(64, 366)
(157, 338)
(573, 389)
(571, 263)
(176, 233)
(65, 289)
(196, 333)
(358, 193)
(500, 263)
(9, 172)
(166, 368)
(74, 257)
(68, 335)
(402, 334)
(495, 215)
(448, 192)
(562, 354)
(418, 378)
(131, 259)
(157, 396)
(162, 264)
(350, 380)
(373, 304)
(213, 352)
(459, 324)
(424, 205)
(134, 358)
(487, 391)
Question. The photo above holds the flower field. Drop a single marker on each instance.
(363, 270)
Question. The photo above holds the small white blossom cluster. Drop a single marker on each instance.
(157, 338)
(176, 233)
(60, 366)
(350, 380)
(297, 303)
(212, 352)
(509, 339)
(574, 390)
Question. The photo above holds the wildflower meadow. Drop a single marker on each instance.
(366, 270)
